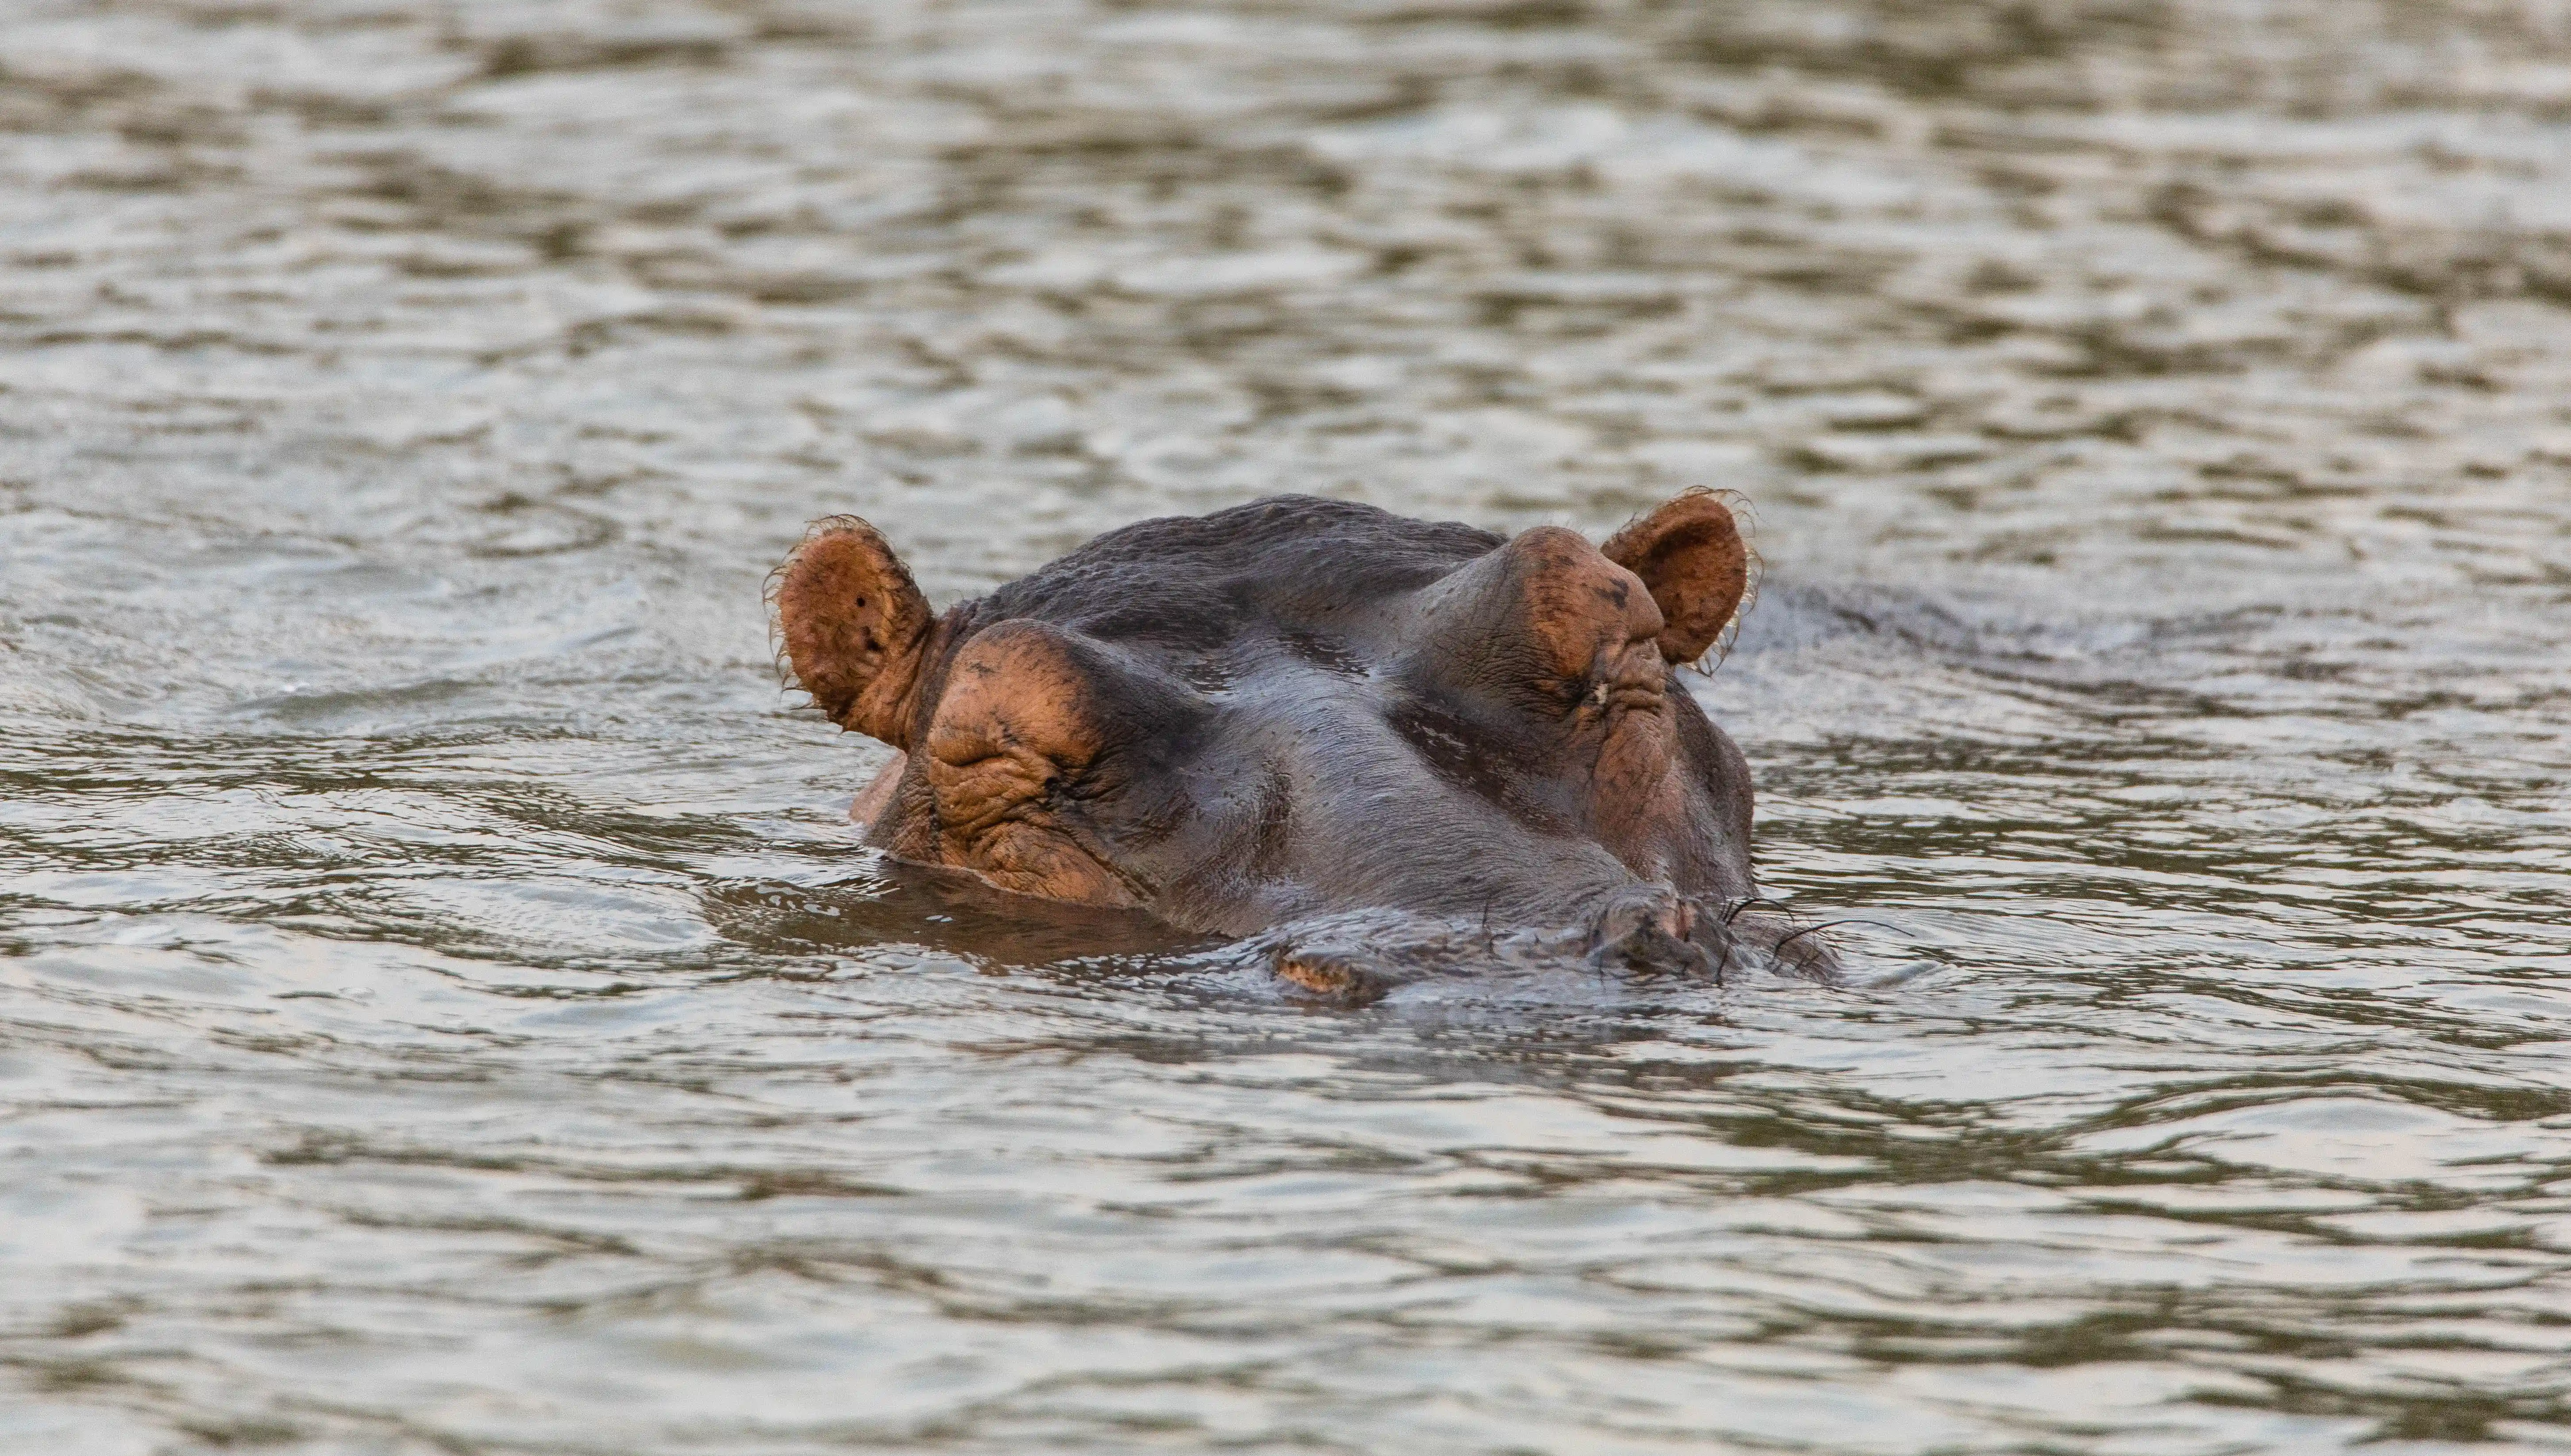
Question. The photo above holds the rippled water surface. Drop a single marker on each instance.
(443, 1010)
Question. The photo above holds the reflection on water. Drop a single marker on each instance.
(442, 1010)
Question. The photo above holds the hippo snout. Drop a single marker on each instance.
(1649, 928)
(1354, 959)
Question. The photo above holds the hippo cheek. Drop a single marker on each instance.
(1637, 794)
(1625, 732)
(1040, 745)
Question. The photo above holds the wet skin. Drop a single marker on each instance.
(1300, 709)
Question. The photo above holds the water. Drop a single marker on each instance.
(442, 1011)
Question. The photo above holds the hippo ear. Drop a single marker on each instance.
(1692, 559)
(854, 627)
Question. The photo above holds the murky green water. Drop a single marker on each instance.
(441, 1009)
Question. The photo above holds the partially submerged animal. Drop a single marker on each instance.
(1299, 710)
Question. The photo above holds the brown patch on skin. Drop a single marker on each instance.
(856, 628)
(1689, 556)
(1332, 977)
(1016, 731)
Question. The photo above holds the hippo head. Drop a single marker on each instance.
(1299, 708)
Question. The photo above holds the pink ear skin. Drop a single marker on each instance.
(854, 628)
(1692, 559)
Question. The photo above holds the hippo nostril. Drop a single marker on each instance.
(1651, 949)
(1647, 929)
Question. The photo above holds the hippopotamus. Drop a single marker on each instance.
(1300, 710)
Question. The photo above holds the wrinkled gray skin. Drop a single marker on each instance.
(1299, 711)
